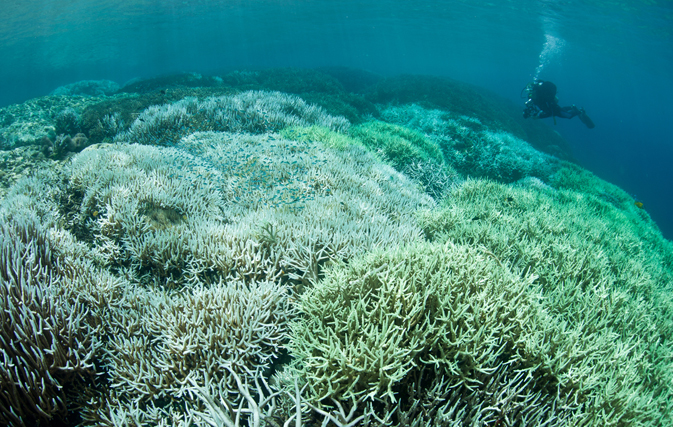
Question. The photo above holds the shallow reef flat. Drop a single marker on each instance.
(319, 247)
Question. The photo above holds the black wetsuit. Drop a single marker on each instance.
(542, 103)
(543, 96)
(557, 111)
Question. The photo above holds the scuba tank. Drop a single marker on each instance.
(542, 93)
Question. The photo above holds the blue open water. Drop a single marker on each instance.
(614, 58)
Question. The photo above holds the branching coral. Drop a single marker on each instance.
(192, 213)
(444, 327)
(605, 280)
(161, 342)
(252, 112)
(173, 275)
(67, 122)
(185, 255)
(406, 150)
(46, 343)
(401, 146)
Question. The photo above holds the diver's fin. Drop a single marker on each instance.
(585, 119)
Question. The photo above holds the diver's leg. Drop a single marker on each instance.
(567, 112)
(584, 118)
(570, 112)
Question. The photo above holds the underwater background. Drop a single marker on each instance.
(614, 58)
(275, 213)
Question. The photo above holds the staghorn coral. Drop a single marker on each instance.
(433, 177)
(182, 253)
(399, 145)
(182, 267)
(438, 326)
(47, 345)
(161, 342)
(138, 210)
(173, 217)
(253, 112)
(111, 124)
(605, 280)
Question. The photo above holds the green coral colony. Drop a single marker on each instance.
(326, 247)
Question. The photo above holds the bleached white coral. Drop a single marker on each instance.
(318, 203)
(161, 342)
(188, 256)
(238, 206)
(252, 112)
(46, 343)
(132, 195)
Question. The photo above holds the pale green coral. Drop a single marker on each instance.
(393, 325)
(576, 292)
(410, 152)
(605, 281)
(399, 145)
(322, 134)
(574, 178)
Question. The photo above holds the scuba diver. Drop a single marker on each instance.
(542, 103)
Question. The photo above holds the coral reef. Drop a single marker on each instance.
(472, 148)
(157, 346)
(431, 326)
(333, 91)
(87, 88)
(199, 251)
(184, 80)
(67, 122)
(411, 153)
(399, 145)
(20, 163)
(605, 279)
(215, 226)
(27, 123)
(47, 345)
(65, 144)
(150, 206)
(251, 112)
(466, 100)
